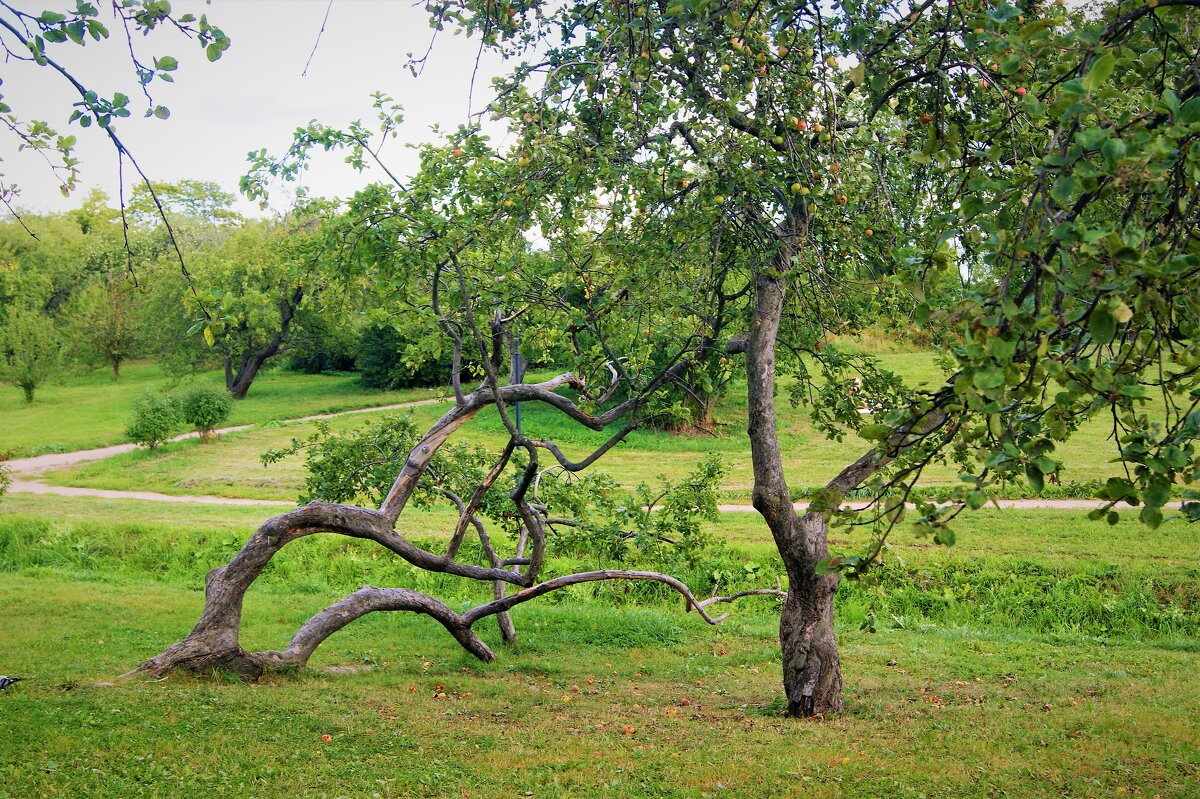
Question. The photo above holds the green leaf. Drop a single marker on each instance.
(161, 111)
(1116, 488)
(213, 51)
(988, 377)
(166, 63)
(1157, 494)
(1004, 13)
(1098, 72)
(945, 537)
(208, 336)
(1003, 349)
(1036, 480)
(1064, 189)
(875, 432)
(1102, 325)
(1092, 138)
(1189, 113)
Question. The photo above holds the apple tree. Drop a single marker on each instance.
(1045, 156)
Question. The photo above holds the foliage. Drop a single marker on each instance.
(388, 359)
(204, 408)
(108, 321)
(595, 517)
(660, 525)
(360, 465)
(155, 419)
(322, 344)
(188, 200)
(30, 349)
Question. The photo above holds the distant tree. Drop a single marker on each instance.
(325, 341)
(390, 359)
(107, 321)
(188, 200)
(30, 349)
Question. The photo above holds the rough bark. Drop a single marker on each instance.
(812, 676)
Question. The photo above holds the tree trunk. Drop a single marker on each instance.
(252, 360)
(812, 675)
(116, 368)
(239, 385)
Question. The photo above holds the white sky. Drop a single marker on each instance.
(253, 97)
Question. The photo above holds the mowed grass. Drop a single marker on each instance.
(1043, 655)
(232, 467)
(87, 409)
(606, 693)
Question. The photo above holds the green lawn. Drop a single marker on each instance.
(231, 467)
(88, 409)
(1006, 686)
(1043, 655)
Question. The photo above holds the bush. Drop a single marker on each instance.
(322, 346)
(205, 409)
(155, 418)
(389, 360)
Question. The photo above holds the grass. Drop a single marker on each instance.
(231, 466)
(1043, 655)
(87, 409)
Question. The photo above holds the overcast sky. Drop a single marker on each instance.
(254, 97)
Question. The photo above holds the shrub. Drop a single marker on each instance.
(323, 346)
(205, 409)
(155, 418)
(388, 359)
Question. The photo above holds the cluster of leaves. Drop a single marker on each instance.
(360, 464)
(155, 419)
(30, 349)
(660, 524)
(204, 409)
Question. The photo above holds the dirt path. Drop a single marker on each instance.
(26, 471)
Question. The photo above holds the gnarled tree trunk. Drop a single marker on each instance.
(812, 676)
(213, 642)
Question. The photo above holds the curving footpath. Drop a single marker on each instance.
(26, 471)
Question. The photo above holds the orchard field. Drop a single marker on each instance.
(1042, 654)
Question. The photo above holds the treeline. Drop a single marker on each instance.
(197, 287)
